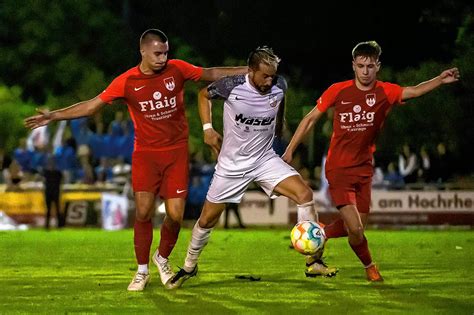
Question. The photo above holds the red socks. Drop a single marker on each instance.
(335, 229)
(169, 236)
(362, 251)
(142, 238)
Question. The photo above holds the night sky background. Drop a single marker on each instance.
(313, 38)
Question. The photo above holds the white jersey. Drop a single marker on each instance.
(249, 123)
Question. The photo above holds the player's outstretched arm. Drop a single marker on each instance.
(213, 74)
(305, 126)
(211, 137)
(77, 110)
(446, 77)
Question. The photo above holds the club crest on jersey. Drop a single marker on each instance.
(273, 101)
(169, 83)
(370, 99)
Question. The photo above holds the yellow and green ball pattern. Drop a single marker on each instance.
(307, 237)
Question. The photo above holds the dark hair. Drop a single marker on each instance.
(262, 54)
(367, 49)
(153, 33)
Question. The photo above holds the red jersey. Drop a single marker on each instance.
(155, 103)
(358, 117)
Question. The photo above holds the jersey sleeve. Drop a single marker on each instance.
(115, 90)
(221, 88)
(393, 92)
(189, 71)
(327, 99)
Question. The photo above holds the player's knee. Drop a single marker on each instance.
(208, 221)
(356, 235)
(144, 211)
(205, 223)
(143, 215)
(175, 218)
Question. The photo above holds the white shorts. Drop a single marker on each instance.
(267, 175)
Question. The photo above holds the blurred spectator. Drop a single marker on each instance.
(66, 159)
(38, 159)
(408, 164)
(117, 126)
(322, 197)
(38, 138)
(99, 146)
(116, 133)
(85, 173)
(52, 191)
(23, 156)
(80, 130)
(121, 171)
(126, 142)
(200, 175)
(12, 174)
(378, 178)
(233, 207)
(197, 191)
(424, 172)
(103, 171)
(393, 179)
(442, 164)
(59, 134)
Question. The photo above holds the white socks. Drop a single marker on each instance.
(200, 237)
(306, 212)
(143, 269)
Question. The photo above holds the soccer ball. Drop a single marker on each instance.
(308, 237)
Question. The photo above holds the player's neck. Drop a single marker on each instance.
(147, 70)
(365, 87)
(144, 69)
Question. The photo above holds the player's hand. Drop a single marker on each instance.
(450, 75)
(287, 156)
(36, 121)
(213, 139)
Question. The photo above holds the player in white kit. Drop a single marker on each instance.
(253, 110)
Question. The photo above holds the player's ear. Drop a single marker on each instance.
(353, 66)
(251, 73)
(378, 64)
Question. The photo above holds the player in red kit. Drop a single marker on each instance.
(154, 94)
(360, 108)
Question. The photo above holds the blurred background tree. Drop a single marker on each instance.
(55, 53)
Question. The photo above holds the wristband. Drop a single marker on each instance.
(207, 126)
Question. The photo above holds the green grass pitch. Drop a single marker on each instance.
(88, 270)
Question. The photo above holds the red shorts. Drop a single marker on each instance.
(350, 190)
(164, 173)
